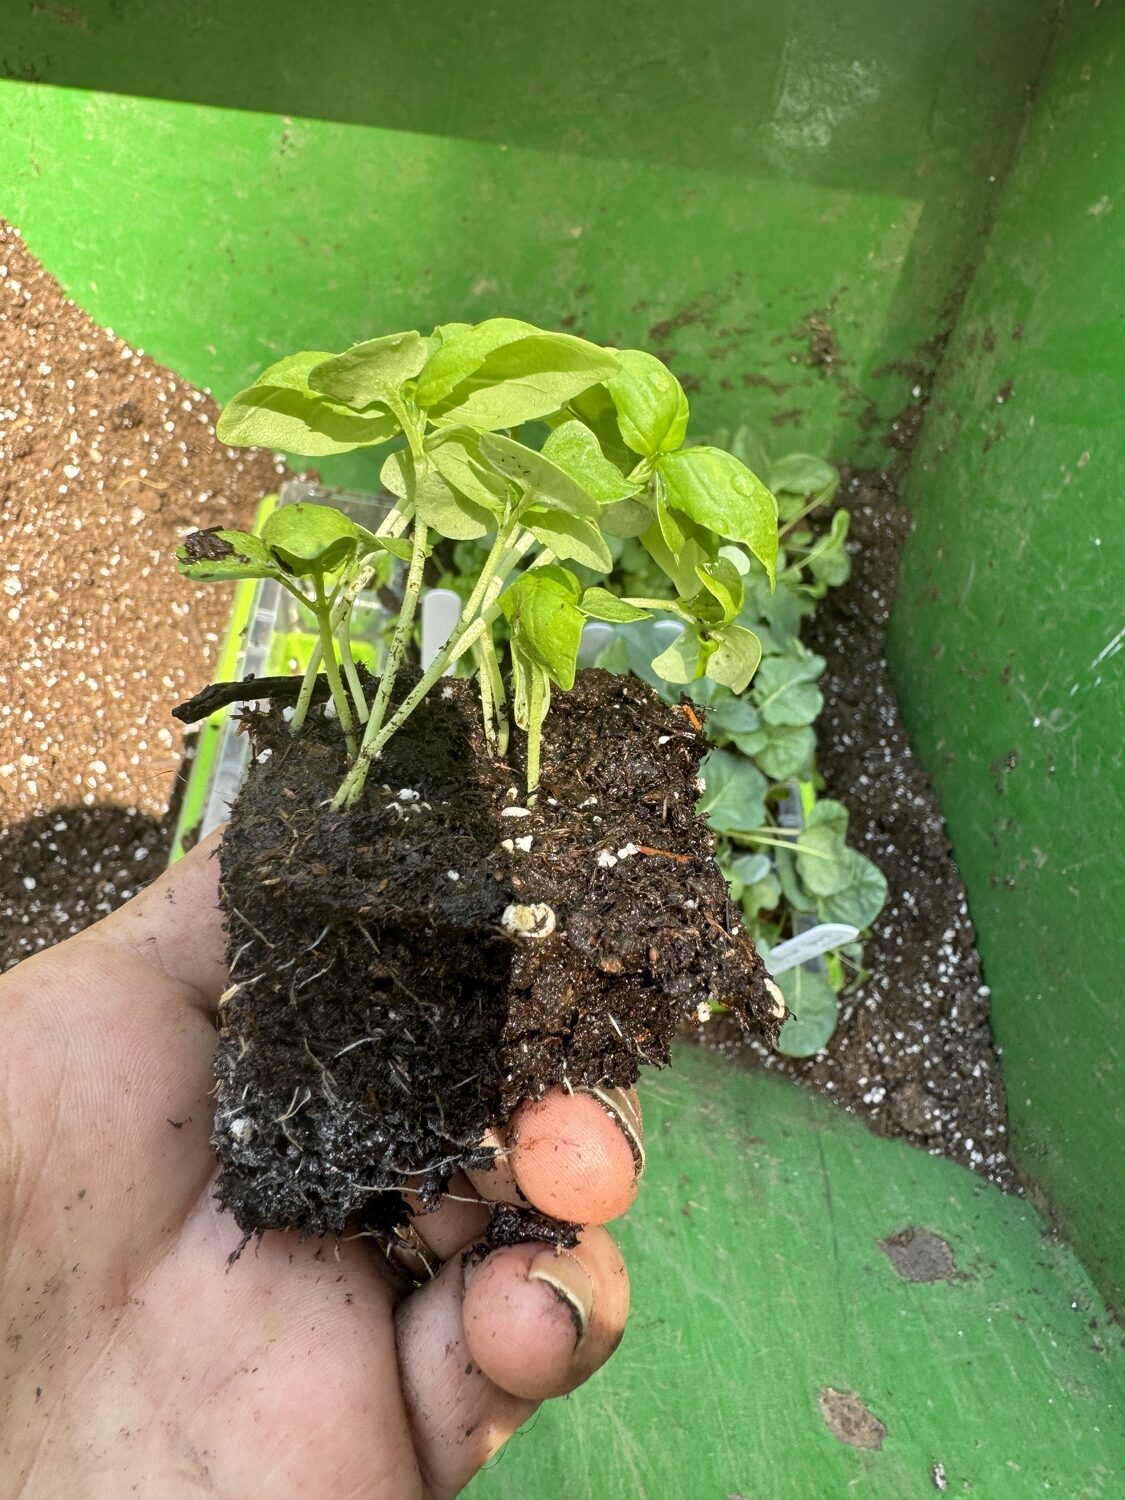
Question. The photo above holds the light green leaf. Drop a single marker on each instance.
(681, 661)
(811, 999)
(397, 546)
(573, 538)
(722, 584)
(734, 802)
(785, 691)
(503, 372)
(372, 370)
(308, 538)
(763, 895)
(546, 622)
(596, 410)
(735, 658)
(862, 899)
(678, 562)
(281, 411)
(782, 750)
(743, 870)
(803, 476)
(829, 561)
(455, 453)
(652, 410)
(792, 887)
(575, 449)
(440, 506)
(730, 718)
(540, 480)
(221, 556)
(723, 496)
(626, 518)
(599, 604)
(823, 860)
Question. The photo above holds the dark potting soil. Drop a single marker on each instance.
(106, 460)
(405, 974)
(913, 1052)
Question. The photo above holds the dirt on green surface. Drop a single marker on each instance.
(404, 974)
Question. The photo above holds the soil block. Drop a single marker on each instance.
(404, 974)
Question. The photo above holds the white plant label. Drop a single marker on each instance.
(820, 939)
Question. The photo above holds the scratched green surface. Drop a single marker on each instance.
(698, 179)
(1009, 641)
(758, 1282)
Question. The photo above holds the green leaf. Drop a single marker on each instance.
(596, 410)
(735, 658)
(763, 895)
(652, 410)
(308, 538)
(722, 583)
(792, 887)
(862, 899)
(811, 999)
(575, 449)
(829, 561)
(802, 476)
(680, 562)
(681, 661)
(823, 858)
(440, 506)
(723, 496)
(730, 718)
(599, 604)
(221, 556)
(504, 372)
(546, 622)
(782, 750)
(455, 453)
(734, 801)
(538, 478)
(281, 411)
(397, 546)
(371, 371)
(626, 518)
(573, 538)
(743, 870)
(785, 690)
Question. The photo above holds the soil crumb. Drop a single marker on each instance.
(106, 461)
(921, 1255)
(913, 1053)
(849, 1419)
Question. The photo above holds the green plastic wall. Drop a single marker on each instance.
(1009, 635)
(787, 198)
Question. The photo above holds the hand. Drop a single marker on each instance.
(133, 1362)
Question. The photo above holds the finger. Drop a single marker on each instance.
(497, 1183)
(577, 1156)
(176, 924)
(455, 1340)
(459, 1219)
(539, 1321)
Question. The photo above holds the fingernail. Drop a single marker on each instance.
(570, 1283)
(626, 1116)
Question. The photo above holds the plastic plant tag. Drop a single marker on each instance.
(440, 610)
(810, 944)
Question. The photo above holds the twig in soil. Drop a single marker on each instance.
(222, 694)
(692, 717)
(680, 859)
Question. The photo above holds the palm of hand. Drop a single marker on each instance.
(132, 1360)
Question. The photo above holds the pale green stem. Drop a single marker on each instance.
(490, 668)
(487, 703)
(814, 504)
(331, 667)
(351, 672)
(402, 632)
(778, 843)
(537, 712)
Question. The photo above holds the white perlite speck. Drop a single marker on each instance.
(515, 812)
(408, 794)
(606, 859)
(242, 1130)
(534, 921)
(525, 843)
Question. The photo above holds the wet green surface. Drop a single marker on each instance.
(1009, 638)
(759, 1282)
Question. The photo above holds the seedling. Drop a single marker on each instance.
(551, 518)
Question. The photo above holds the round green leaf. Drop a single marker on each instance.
(600, 604)
(785, 690)
(723, 496)
(575, 449)
(811, 999)
(308, 538)
(437, 503)
(735, 658)
(280, 410)
(862, 899)
(546, 623)
(823, 858)
(652, 410)
(372, 370)
(573, 538)
(734, 799)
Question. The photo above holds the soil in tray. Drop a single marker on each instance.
(913, 1053)
(106, 460)
(404, 974)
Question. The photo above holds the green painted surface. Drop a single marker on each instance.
(1009, 633)
(758, 1281)
(700, 179)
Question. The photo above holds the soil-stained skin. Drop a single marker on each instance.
(405, 974)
